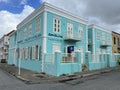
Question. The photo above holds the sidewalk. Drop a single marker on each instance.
(31, 77)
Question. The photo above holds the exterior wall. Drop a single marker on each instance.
(115, 47)
(1, 49)
(58, 38)
(30, 41)
(4, 45)
(12, 56)
(100, 53)
(96, 44)
(45, 39)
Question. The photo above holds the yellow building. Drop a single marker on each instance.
(115, 42)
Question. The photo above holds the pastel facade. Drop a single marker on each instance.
(100, 46)
(4, 46)
(56, 42)
(116, 42)
(50, 40)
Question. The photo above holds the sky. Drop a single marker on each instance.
(105, 13)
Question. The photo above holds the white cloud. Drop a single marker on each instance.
(23, 2)
(75, 6)
(96, 11)
(9, 20)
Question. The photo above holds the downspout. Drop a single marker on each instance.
(44, 39)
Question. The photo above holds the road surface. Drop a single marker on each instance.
(106, 81)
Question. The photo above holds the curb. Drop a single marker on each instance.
(88, 74)
(22, 78)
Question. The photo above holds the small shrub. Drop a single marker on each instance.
(119, 61)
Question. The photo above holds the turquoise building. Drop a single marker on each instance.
(100, 47)
(56, 42)
(50, 40)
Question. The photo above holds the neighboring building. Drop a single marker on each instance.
(4, 46)
(99, 44)
(116, 42)
(50, 40)
(13, 49)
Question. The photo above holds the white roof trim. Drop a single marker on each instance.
(48, 7)
(100, 28)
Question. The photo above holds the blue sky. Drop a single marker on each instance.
(101, 12)
(16, 6)
(12, 12)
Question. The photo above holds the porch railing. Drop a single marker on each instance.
(65, 58)
(72, 36)
(69, 58)
(105, 43)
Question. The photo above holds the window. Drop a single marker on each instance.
(56, 25)
(25, 32)
(103, 36)
(18, 33)
(33, 52)
(30, 29)
(26, 53)
(37, 24)
(70, 30)
(80, 31)
(22, 53)
(69, 26)
(36, 52)
(98, 35)
(109, 39)
(114, 40)
(98, 54)
(118, 41)
(29, 52)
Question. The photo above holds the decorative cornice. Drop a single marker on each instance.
(100, 28)
(50, 8)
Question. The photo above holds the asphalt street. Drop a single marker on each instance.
(106, 81)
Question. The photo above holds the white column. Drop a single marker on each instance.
(14, 55)
(93, 34)
(86, 38)
(44, 39)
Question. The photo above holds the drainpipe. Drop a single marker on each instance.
(14, 55)
(44, 39)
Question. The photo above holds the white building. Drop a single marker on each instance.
(4, 46)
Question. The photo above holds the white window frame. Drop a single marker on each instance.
(57, 45)
(18, 34)
(80, 31)
(53, 57)
(29, 52)
(98, 55)
(26, 53)
(33, 52)
(70, 29)
(38, 25)
(36, 52)
(25, 31)
(98, 35)
(103, 36)
(58, 29)
(30, 29)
